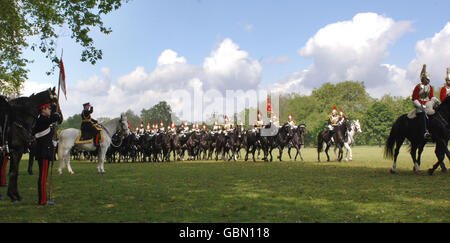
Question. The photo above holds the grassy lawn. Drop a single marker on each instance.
(362, 190)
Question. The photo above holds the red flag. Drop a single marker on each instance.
(62, 78)
(269, 107)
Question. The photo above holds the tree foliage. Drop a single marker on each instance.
(159, 112)
(23, 19)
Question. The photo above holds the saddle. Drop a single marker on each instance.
(96, 139)
(429, 109)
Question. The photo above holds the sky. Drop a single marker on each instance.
(193, 53)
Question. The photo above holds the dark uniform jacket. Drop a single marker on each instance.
(43, 133)
(87, 128)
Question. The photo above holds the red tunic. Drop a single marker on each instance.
(422, 98)
(443, 93)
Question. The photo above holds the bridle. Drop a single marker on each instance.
(120, 134)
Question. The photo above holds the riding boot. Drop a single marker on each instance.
(426, 134)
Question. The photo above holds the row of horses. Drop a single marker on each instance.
(206, 145)
(209, 145)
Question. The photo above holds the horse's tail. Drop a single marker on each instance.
(320, 142)
(393, 135)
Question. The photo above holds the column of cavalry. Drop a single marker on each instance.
(228, 141)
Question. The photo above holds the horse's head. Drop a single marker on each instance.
(123, 123)
(45, 97)
(287, 130)
(357, 126)
(302, 129)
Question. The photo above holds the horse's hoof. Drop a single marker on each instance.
(393, 171)
(444, 170)
(417, 172)
(430, 171)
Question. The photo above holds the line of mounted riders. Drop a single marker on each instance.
(223, 142)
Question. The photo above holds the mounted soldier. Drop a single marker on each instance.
(259, 122)
(89, 126)
(422, 94)
(141, 129)
(161, 127)
(227, 125)
(333, 121)
(445, 90)
(275, 121)
(291, 121)
(216, 127)
(148, 128)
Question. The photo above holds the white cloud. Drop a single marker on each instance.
(350, 50)
(228, 67)
(435, 52)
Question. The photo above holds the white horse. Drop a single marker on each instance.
(354, 128)
(68, 137)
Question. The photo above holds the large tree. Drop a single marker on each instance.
(21, 19)
(159, 112)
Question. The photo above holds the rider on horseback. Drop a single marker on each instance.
(88, 130)
(291, 121)
(333, 121)
(259, 122)
(423, 93)
(445, 90)
(274, 120)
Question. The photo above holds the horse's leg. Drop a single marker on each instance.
(101, 160)
(335, 155)
(66, 157)
(398, 145)
(30, 162)
(349, 152)
(441, 151)
(289, 152)
(298, 147)
(413, 152)
(326, 151)
(281, 148)
(419, 154)
(3, 164)
(13, 191)
(341, 153)
(61, 158)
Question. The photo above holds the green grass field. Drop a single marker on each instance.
(362, 190)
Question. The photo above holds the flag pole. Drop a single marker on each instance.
(55, 135)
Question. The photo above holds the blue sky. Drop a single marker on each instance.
(267, 35)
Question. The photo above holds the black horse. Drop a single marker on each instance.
(22, 117)
(234, 142)
(221, 142)
(251, 142)
(412, 129)
(280, 140)
(405, 128)
(297, 141)
(338, 139)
